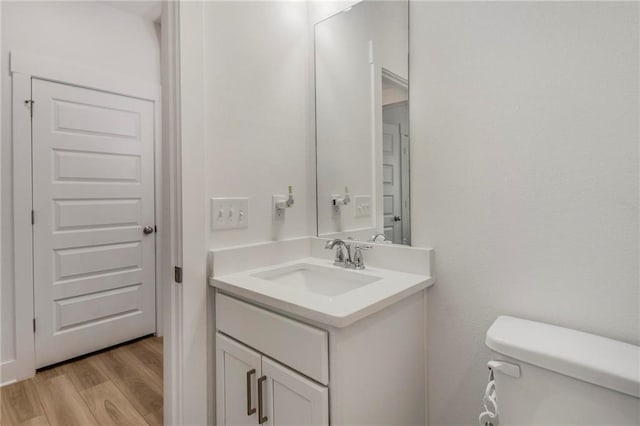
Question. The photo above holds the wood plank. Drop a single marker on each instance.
(155, 418)
(147, 355)
(36, 421)
(122, 385)
(62, 403)
(110, 407)
(84, 374)
(155, 344)
(138, 384)
(48, 373)
(124, 356)
(20, 405)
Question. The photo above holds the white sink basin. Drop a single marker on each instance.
(317, 279)
(315, 289)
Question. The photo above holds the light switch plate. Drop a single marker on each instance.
(362, 206)
(229, 213)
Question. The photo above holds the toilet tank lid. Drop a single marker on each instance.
(594, 359)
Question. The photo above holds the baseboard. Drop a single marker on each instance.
(7, 372)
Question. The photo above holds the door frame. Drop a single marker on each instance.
(23, 68)
(191, 394)
(171, 118)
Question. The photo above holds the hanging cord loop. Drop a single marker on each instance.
(489, 417)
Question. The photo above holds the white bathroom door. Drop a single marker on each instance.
(391, 182)
(93, 220)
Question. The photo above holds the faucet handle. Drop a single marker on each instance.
(374, 237)
(358, 259)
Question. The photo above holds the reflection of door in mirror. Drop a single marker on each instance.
(395, 159)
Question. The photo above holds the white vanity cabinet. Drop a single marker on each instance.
(259, 361)
(253, 389)
(272, 369)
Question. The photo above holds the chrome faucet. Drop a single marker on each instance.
(340, 259)
(345, 260)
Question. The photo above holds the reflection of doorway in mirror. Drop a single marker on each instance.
(395, 159)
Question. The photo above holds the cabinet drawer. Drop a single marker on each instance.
(300, 346)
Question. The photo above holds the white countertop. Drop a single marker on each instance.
(338, 311)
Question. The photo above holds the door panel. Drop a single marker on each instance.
(293, 400)
(93, 214)
(71, 263)
(96, 167)
(97, 306)
(79, 117)
(234, 362)
(93, 192)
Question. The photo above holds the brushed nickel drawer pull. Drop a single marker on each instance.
(261, 418)
(250, 410)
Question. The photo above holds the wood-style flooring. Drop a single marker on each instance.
(117, 386)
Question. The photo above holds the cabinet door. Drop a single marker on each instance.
(237, 370)
(291, 399)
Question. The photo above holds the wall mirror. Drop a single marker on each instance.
(362, 122)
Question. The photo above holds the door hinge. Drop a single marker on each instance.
(30, 103)
(177, 274)
(33, 217)
(34, 325)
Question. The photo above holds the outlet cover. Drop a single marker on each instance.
(278, 213)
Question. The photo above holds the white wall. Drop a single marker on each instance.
(524, 125)
(258, 126)
(90, 34)
(257, 114)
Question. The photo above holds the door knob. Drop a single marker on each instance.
(147, 230)
(396, 219)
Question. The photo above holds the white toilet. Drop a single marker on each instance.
(566, 377)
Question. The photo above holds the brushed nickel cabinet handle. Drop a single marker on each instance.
(261, 418)
(250, 410)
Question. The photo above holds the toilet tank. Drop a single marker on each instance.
(567, 377)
